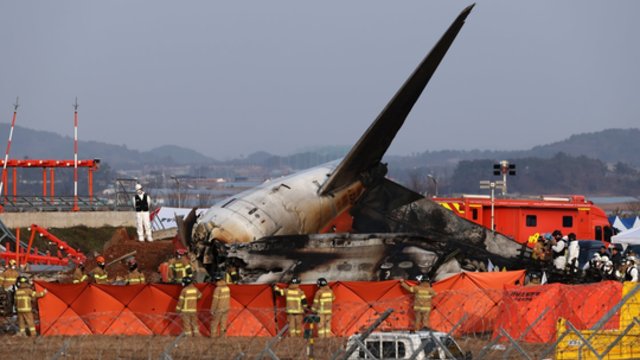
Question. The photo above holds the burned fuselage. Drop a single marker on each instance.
(272, 230)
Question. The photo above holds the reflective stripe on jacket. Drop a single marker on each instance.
(24, 297)
(221, 298)
(294, 298)
(323, 300)
(188, 301)
(135, 278)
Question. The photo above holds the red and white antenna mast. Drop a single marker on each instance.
(6, 154)
(75, 156)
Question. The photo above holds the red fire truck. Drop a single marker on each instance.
(525, 218)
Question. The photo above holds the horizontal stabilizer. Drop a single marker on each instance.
(371, 147)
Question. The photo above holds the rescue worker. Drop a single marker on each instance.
(23, 298)
(231, 275)
(323, 305)
(296, 301)
(142, 204)
(573, 253)
(79, 276)
(538, 250)
(8, 282)
(220, 305)
(631, 273)
(616, 256)
(421, 301)
(188, 307)
(10, 275)
(99, 274)
(134, 277)
(558, 248)
(180, 267)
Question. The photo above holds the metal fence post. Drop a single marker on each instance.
(267, 349)
(359, 340)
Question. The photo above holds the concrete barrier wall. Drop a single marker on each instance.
(69, 219)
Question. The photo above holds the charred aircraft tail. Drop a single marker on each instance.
(371, 147)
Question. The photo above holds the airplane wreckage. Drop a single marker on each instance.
(275, 230)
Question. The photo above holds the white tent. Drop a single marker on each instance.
(636, 224)
(629, 237)
(618, 224)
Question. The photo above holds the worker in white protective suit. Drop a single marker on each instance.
(631, 270)
(558, 250)
(142, 204)
(573, 253)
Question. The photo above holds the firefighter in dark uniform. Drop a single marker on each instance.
(323, 306)
(423, 293)
(296, 301)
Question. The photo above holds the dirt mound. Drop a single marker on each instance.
(149, 255)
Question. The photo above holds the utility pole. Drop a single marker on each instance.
(6, 154)
(75, 156)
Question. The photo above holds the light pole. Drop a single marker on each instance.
(435, 183)
(504, 168)
(486, 184)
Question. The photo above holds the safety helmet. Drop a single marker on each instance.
(218, 276)
(132, 264)
(12, 262)
(138, 187)
(547, 236)
(295, 280)
(100, 260)
(181, 252)
(418, 278)
(22, 280)
(186, 281)
(604, 258)
(631, 259)
(322, 282)
(596, 256)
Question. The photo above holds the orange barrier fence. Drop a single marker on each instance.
(476, 302)
(541, 306)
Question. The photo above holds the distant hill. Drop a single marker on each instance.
(38, 144)
(609, 146)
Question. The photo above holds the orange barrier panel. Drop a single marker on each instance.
(584, 304)
(471, 299)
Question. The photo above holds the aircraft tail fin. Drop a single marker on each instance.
(372, 146)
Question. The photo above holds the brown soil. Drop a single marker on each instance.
(149, 255)
(152, 347)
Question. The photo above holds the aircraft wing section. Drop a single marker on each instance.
(371, 147)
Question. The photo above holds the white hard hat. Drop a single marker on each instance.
(596, 256)
(138, 187)
(604, 258)
(631, 258)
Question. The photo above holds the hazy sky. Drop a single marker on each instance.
(230, 78)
